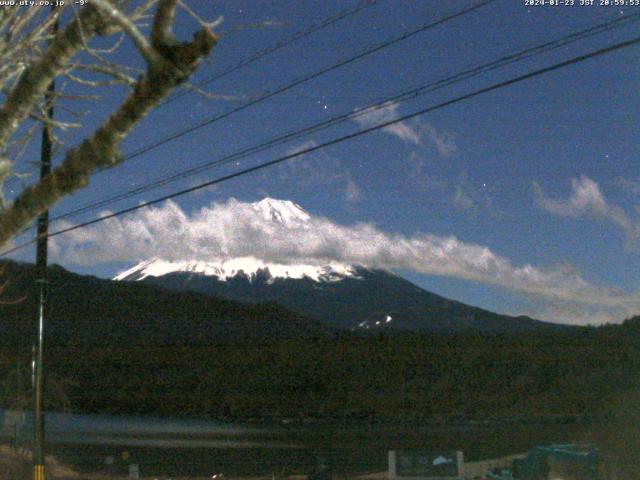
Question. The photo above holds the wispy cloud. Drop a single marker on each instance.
(586, 199)
(403, 130)
(567, 312)
(236, 229)
(443, 142)
(414, 132)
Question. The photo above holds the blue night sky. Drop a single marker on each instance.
(542, 173)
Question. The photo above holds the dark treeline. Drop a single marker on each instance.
(526, 386)
(383, 377)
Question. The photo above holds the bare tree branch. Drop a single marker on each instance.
(127, 26)
(171, 64)
(161, 34)
(199, 19)
(41, 117)
(112, 72)
(35, 79)
(94, 83)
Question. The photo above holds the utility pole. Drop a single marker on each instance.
(41, 281)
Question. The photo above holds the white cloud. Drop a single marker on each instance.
(236, 229)
(413, 131)
(586, 199)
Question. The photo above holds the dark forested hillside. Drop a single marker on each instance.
(120, 347)
(87, 310)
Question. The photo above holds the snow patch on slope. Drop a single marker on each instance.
(284, 212)
(224, 270)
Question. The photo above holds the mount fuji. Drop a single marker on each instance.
(341, 295)
(284, 215)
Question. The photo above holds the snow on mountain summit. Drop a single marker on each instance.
(282, 212)
(249, 266)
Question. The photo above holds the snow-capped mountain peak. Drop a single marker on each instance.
(285, 212)
(249, 266)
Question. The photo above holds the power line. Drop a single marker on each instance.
(369, 51)
(278, 45)
(491, 88)
(306, 78)
(296, 36)
(528, 52)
